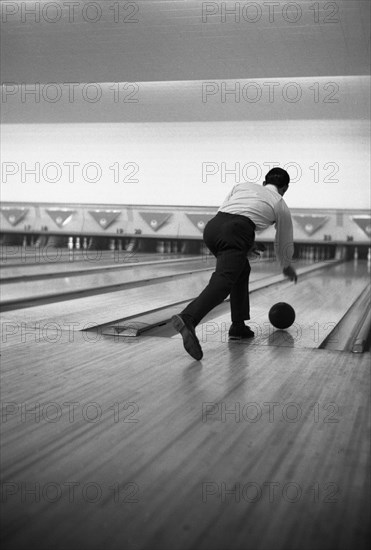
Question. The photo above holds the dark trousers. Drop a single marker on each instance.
(228, 237)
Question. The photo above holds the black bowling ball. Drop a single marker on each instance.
(281, 315)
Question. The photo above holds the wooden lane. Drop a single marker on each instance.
(107, 307)
(81, 313)
(18, 256)
(93, 260)
(320, 300)
(176, 459)
(101, 280)
(53, 285)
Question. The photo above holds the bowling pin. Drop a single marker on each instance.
(206, 251)
(70, 249)
(369, 256)
(112, 244)
(355, 256)
(131, 245)
(160, 247)
(77, 244)
(85, 243)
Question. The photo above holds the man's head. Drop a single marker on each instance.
(279, 178)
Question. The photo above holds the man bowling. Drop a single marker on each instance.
(230, 236)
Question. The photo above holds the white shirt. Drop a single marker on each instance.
(264, 206)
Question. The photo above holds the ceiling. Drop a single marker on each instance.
(167, 40)
(319, 98)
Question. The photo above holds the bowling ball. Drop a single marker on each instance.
(281, 315)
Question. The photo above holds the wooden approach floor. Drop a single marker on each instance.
(128, 444)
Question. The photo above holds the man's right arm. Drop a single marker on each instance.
(284, 243)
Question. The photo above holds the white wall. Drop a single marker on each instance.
(170, 159)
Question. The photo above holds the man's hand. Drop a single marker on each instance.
(290, 273)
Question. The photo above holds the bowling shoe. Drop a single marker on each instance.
(239, 332)
(187, 331)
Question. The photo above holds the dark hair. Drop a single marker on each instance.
(277, 177)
